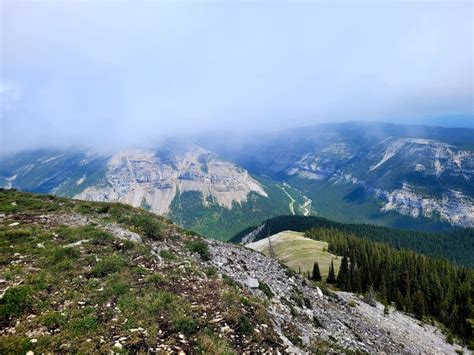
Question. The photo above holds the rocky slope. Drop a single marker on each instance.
(148, 178)
(92, 277)
(308, 320)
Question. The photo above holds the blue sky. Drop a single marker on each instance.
(111, 73)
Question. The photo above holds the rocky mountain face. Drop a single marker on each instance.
(411, 170)
(152, 180)
(95, 277)
(414, 177)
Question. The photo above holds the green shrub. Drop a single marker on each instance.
(212, 344)
(107, 266)
(103, 208)
(84, 325)
(53, 320)
(185, 325)
(38, 282)
(166, 254)
(156, 278)
(119, 289)
(211, 271)
(14, 234)
(245, 326)
(85, 208)
(200, 247)
(164, 301)
(15, 302)
(149, 225)
(352, 303)
(229, 281)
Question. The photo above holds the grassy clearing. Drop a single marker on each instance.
(298, 252)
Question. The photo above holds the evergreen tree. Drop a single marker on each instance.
(417, 283)
(343, 277)
(419, 308)
(316, 273)
(331, 275)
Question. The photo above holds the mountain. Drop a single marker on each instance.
(403, 176)
(193, 186)
(94, 277)
(409, 177)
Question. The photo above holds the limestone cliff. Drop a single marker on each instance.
(152, 179)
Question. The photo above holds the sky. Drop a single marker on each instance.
(106, 74)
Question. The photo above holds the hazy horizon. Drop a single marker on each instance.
(114, 74)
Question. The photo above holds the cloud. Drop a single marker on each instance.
(10, 94)
(106, 74)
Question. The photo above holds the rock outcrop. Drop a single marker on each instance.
(152, 179)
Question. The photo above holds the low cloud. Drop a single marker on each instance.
(108, 74)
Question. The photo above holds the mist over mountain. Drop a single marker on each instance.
(404, 176)
(236, 177)
(112, 75)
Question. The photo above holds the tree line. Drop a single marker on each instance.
(429, 288)
(456, 245)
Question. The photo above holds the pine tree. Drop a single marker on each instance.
(316, 273)
(343, 278)
(417, 283)
(419, 305)
(332, 275)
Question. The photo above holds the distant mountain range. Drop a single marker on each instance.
(404, 176)
(412, 177)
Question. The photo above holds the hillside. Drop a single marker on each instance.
(96, 277)
(456, 245)
(297, 252)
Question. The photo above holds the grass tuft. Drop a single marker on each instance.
(200, 247)
(15, 302)
(108, 265)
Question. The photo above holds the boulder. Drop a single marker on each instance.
(251, 282)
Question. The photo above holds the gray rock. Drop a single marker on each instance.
(252, 282)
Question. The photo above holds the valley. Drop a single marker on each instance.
(291, 205)
(299, 202)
